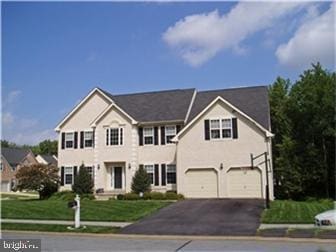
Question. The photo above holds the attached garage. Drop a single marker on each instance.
(5, 186)
(244, 182)
(201, 183)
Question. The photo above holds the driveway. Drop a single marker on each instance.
(202, 217)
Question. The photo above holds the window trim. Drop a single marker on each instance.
(167, 183)
(144, 135)
(120, 136)
(92, 139)
(153, 172)
(73, 140)
(221, 138)
(173, 135)
(67, 173)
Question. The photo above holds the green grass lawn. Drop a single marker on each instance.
(21, 196)
(287, 211)
(57, 228)
(91, 210)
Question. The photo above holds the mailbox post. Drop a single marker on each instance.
(77, 212)
(76, 206)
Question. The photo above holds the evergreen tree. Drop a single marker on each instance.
(141, 181)
(83, 182)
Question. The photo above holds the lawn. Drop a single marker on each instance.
(287, 211)
(91, 210)
(18, 196)
(57, 228)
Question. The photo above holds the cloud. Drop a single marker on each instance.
(7, 119)
(313, 41)
(33, 137)
(11, 97)
(198, 38)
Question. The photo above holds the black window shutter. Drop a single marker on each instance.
(178, 128)
(76, 140)
(163, 174)
(62, 176)
(163, 135)
(156, 135)
(75, 171)
(121, 132)
(207, 129)
(63, 140)
(140, 135)
(156, 174)
(107, 137)
(234, 128)
(82, 139)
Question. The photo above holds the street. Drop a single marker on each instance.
(64, 242)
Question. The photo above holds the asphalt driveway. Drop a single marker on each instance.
(202, 217)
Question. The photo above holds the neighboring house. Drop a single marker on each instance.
(198, 143)
(12, 159)
(47, 159)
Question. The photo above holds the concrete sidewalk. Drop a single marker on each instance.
(293, 226)
(62, 222)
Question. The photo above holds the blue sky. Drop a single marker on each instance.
(53, 54)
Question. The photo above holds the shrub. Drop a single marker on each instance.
(171, 196)
(180, 196)
(63, 195)
(120, 197)
(141, 181)
(83, 182)
(147, 196)
(48, 190)
(131, 196)
(158, 196)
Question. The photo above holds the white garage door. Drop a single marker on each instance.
(244, 183)
(5, 186)
(201, 183)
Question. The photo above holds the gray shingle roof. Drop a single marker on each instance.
(14, 155)
(253, 101)
(170, 105)
(50, 159)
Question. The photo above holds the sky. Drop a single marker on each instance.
(54, 53)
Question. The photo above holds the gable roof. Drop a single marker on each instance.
(14, 155)
(253, 101)
(50, 159)
(169, 105)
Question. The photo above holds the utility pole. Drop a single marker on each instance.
(267, 199)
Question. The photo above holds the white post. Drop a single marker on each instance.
(77, 212)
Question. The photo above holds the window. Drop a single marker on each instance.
(150, 171)
(148, 134)
(215, 129)
(69, 140)
(68, 175)
(171, 174)
(1, 166)
(114, 136)
(226, 128)
(90, 170)
(88, 139)
(170, 133)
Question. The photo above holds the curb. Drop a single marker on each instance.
(177, 237)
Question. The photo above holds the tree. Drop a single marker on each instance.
(83, 182)
(48, 147)
(6, 144)
(141, 181)
(303, 120)
(38, 177)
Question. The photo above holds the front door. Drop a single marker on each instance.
(117, 177)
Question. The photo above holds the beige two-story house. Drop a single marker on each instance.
(198, 143)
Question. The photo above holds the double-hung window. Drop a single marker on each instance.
(215, 129)
(89, 170)
(148, 135)
(170, 133)
(114, 136)
(69, 140)
(150, 171)
(171, 174)
(226, 128)
(88, 139)
(68, 175)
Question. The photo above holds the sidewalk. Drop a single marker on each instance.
(61, 222)
(293, 226)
